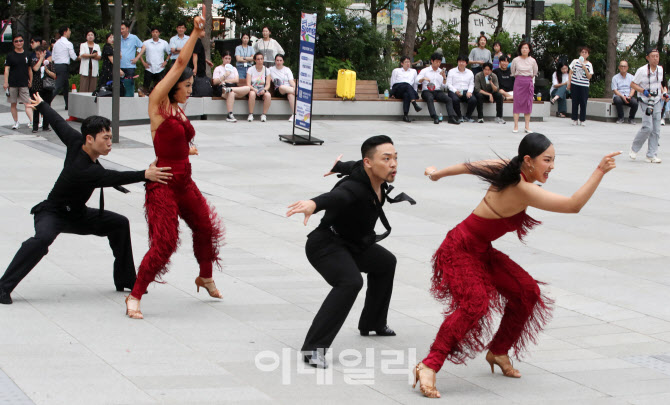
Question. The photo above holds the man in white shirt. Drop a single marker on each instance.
(177, 42)
(433, 80)
(647, 82)
(461, 84)
(155, 49)
(404, 85)
(623, 93)
(63, 52)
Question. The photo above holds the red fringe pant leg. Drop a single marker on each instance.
(206, 226)
(162, 215)
(526, 309)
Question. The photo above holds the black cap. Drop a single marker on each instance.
(652, 49)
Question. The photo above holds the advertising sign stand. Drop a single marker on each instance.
(302, 111)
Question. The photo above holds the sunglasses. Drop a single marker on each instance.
(17, 41)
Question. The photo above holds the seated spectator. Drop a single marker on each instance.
(624, 94)
(258, 80)
(505, 78)
(486, 91)
(559, 88)
(403, 85)
(226, 80)
(461, 84)
(284, 83)
(479, 55)
(433, 81)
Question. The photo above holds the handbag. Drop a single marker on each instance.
(202, 87)
(47, 82)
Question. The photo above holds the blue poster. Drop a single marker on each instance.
(303, 105)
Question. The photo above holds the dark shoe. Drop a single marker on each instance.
(122, 289)
(315, 358)
(631, 121)
(406, 118)
(436, 120)
(416, 107)
(385, 331)
(5, 298)
(453, 120)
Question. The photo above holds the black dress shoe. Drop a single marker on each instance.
(385, 331)
(436, 120)
(406, 118)
(453, 120)
(315, 358)
(5, 298)
(122, 289)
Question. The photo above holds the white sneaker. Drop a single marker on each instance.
(582, 123)
(632, 155)
(231, 118)
(499, 120)
(662, 121)
(653, 160)
(575, 122)
(16, 125)
(250, 118)
(290, 119)
(263, 118)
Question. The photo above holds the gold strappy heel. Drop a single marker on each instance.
(133, 313)
(209, 284)
(503, 361)
(427, 390)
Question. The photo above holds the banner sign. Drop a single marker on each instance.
(303, 107)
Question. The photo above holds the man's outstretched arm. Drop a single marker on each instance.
(68, 135)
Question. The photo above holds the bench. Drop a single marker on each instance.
(600, 109)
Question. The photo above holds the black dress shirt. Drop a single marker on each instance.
(80, 175)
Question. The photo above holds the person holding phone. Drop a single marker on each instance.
(89, 54)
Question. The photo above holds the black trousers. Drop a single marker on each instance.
(406, 92)
(47, 227)
(580, 96)
(472, 103)
(431, 96)
(154, 78)
(62, 80)
(618, 102)
(483, 98)
(47, 96)
(342, 269)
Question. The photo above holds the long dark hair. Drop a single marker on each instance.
(502, 175)
(185, 75)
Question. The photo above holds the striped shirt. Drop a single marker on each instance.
(578, 74)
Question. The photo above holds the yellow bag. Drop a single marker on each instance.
(346, 84)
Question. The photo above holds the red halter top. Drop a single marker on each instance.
(172, 143)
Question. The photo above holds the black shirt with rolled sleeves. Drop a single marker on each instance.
(353, 208)
(19, 64)
(80, 175)
(199, 50)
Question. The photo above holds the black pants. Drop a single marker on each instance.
(154, 78)
(580, 95)
(62, 80)
(483, 98)
(47, 96)
(472, 103)
(47, 227)
(429, 97)
(406, 92)
(342, 270)
(619, 103)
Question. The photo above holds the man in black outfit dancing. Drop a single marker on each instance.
(65, 210)
(345, 244)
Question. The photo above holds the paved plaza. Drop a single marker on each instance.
(66, 340)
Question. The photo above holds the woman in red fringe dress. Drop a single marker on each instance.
(476, 280)
(172, 135)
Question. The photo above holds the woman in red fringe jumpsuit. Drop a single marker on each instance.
(476, 280)
(172, 135)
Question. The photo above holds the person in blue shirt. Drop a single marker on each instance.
(130, 44)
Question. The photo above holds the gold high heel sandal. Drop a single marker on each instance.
(133, 313)
(209, 285)
(427, 390)
(503, 361)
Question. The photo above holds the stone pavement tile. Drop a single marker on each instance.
(611, 339)
(570, 354)
(648, 399)
(213, 395)
(620, 382)
(537, 387)
(647, 325)
(596, 309)
(584, 330)
(562, 366)
(665, 336)
(653, 347)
